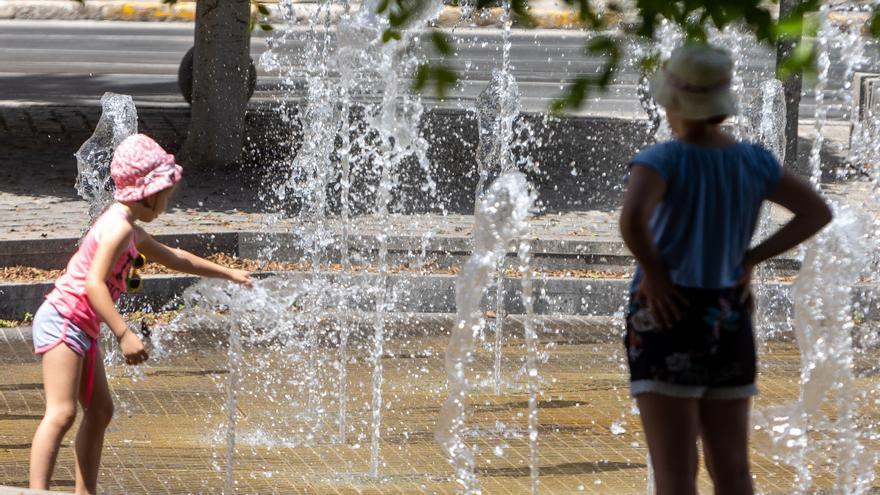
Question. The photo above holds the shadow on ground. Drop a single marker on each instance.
(570, 468)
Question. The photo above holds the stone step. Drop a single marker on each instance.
(403, 250)
(416, 293)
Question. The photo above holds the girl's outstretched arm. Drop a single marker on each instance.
(186, 262)
(115, 238)
(645, 189)
(811, 213)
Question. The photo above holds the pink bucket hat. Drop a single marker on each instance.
(141, 168)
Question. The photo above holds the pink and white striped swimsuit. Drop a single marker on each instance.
(69, 296)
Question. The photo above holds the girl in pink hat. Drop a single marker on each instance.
(67, 325)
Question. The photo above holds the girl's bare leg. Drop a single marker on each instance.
(724, 426)
(671, 428)
(90, 438)
(61, 375)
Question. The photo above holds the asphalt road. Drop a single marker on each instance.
(75, 62)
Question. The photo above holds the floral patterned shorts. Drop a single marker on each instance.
(708, 354)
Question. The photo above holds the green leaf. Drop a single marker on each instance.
(650, 21)
(262, 9)
(482, 4)
(442, 76)
(252, 22)
(398, 19)
(266, 27)
(81, 2)
(802, 59)
(421, 79)
(575, 95)
(446, 79)
(811, 25)
(587, 15)
(389, 35)
(521, 9)
(441, 42)
(695, 32)
(445, 74)
(790, 27)
(874, 25)
(601, 45)
(169, 2)
(383, 6)
(650, 64)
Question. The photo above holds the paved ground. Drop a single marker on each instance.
(170, 426)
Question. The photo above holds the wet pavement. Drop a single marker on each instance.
(168, 435)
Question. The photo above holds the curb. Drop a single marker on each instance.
(53, 254)
(436, 251)
(424, 294)
(156, 11)
(111, 10)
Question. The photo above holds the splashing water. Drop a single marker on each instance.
(821, 427)
(497, 108)
(850, 40)
(531, 338)
(232, 405)
(388, 135)
(770, 129)
(352, 141)
(500, 219)
(671, 37)
(823, 65)
(766, 125)
(733, 38)
(93, 182)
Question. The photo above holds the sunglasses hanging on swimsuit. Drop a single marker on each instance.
(133, 281)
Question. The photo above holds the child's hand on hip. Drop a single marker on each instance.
(744, 284)
(661, 298)
(132, 348)
(241, 277)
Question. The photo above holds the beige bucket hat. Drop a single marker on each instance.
(695, 82)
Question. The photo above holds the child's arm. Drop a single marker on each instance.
(645, 190)
(114, 241)
(186, 262)
(811, 213)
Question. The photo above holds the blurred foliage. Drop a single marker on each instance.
(694, 17)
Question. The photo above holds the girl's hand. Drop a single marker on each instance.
(132, 348)
(662, 299)
(744, 284)
(240, 277)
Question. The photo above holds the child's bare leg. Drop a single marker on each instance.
(671, 427)
(61, 373)
(90, 438)
(724, 426)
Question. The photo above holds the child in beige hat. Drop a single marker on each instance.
(689, 212)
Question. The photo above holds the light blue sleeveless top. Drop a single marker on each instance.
(704, 224)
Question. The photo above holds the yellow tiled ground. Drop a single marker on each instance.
(169, 434)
